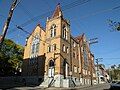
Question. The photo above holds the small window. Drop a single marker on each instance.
(77, 56)
(54, 32)
(54, 47)
(75, 69)
(67, 50)
(74, 54)
(63, 48)
(89, 54)
(66, 37)
(63, 31)
(74, 44)
(51, 33)
(49, 49)
(78, 69)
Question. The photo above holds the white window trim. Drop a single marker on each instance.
(54, 46)
(53, 31)
(75, 69)
(63, 48)
(49, 49)
(64, 32)
(67, 50)
(35, 41)
(74, 44)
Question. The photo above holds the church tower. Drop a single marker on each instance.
(57, 47)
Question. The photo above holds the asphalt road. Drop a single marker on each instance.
(104, 86)
(97, 87)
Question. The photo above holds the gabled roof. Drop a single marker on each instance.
(57, 12)
(35, 28)
(79, 38)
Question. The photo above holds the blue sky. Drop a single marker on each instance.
(90, 18)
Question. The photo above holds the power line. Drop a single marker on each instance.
(27, 12)
(97, 12)
(85, 16)
(44, 15)
(111, 58)
(75, 4)
(71, 5)
(11, 20)
(33, 35)
(101, 11)
(68, 7)
(49, 6)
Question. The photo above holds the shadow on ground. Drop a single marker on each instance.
(5, 86)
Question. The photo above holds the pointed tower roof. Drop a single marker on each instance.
(57, 12)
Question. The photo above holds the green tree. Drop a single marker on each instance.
(115, 72)
(11, 56)
(118, 66)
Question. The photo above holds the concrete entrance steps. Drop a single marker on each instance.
(47, 82)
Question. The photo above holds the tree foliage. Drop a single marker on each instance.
(11, 56)
(114, 72)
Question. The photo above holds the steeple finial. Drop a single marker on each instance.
(57, 12)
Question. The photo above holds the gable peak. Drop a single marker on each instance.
(57, 12)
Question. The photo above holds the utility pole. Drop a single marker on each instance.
(97, 61)
(114, 25)
(92, 41)
(6, 25)
(97, 70)
(91, 68)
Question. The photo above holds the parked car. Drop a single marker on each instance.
(114, 82)
(115, 86)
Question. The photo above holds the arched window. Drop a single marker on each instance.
(51, 63)
(64, 32)
(35, 45)
(33, 48)
(53, 30)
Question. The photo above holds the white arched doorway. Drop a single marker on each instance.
(51, 68)
(65, 69)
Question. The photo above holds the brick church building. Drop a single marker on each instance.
(53, 57)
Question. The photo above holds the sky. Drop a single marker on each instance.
(91, 18)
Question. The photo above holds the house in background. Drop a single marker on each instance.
(53, 57)
(102, 75)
